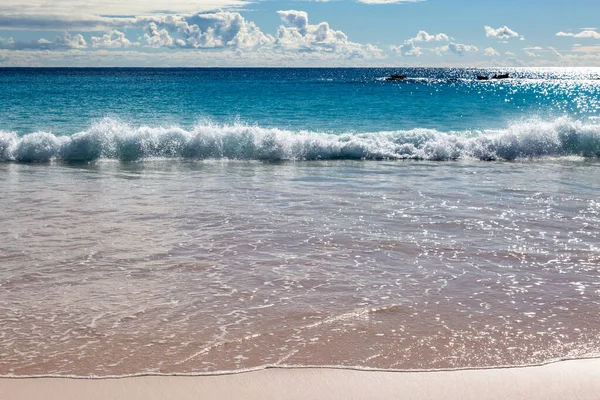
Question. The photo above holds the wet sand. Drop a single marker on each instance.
(578, 379)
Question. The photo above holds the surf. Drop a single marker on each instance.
(117, 140)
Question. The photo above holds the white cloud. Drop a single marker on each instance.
(259, 57)
(204, 30)
(299, 19)
(64, 42)
(112, 39)
(300, 35)
(510, 54)
(6, 42)
(219, 30)
(92, 15)
(585, 34)
(156, 37)
(555, 52)
(586, 49)
(423, 36)
(77, 14)
(491, 52)
(69, 41)
(178, 58)
(408, 49)
(530, 53)
(502, 33)
(456, 48)
(582, 60)
(537, 51)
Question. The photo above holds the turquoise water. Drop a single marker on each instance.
(140, 113)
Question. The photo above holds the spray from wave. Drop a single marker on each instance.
(113, 139)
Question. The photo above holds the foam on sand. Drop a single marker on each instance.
(578, 379)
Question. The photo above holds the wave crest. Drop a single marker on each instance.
(113, 139)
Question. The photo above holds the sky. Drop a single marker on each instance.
(207, 33)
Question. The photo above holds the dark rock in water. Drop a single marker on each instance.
(482, 78)
(395, 77)
(501, 76)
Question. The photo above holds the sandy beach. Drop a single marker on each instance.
(579, 379)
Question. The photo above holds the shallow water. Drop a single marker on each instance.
(194, 267)
(210, 220)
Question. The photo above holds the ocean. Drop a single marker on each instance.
(207, 221)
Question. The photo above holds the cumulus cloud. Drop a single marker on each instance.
(408, 49)
(456, 48)
(64, 42)
(302, 36)
(585, 34)
(423, 36)
(218, 30)
(502, 33)
(112, 39)
(231, 30)
(298, 19)
(204, 30)
(156, 37)
(68, 41)
(491, 52)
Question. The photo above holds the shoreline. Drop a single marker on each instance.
(572, 379)
(298, 367)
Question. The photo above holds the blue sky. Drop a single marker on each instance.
(300, 33)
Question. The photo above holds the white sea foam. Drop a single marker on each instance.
(298, 366)
(113, 139)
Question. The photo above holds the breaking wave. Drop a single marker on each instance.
(113, 139)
